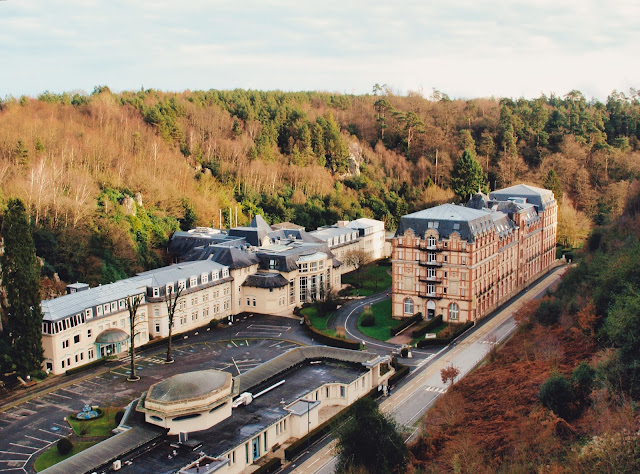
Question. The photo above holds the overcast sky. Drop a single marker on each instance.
(465, 48)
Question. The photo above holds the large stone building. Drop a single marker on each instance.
(461, 262)
(221, 274)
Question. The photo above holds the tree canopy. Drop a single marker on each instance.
(467, 177)
(369, 440)
(22, 317)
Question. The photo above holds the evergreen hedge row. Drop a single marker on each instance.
(330, 340)
(434, 323)
(405, 324)
(443, 341)
(272, 465)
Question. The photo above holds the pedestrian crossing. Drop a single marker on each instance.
(435, 389)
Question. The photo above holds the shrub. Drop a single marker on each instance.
(368, 319)
(556, 394)
(64, 446)
(549, 311)
(119, 416)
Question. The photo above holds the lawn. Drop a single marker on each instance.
(384, 322)
(369, 280)
(98, 426)
(318, 322)
(51, 456)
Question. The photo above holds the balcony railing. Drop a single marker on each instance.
(426, 263)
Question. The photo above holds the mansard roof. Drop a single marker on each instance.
(539, 197)
(447, 219)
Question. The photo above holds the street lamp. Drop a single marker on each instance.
(29, 385)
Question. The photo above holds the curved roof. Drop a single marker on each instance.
(111, 336)
(188, 386)
(266, 280)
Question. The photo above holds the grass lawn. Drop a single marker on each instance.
(371, 279)
(384, 322)
(318, 322)
(51, 456)
(98, 426)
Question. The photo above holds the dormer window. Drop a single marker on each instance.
(121, 304)
(225, 272)
(155, 291)
(182, 284)
(215, 275)
(193, 281)
(169, 288)
(431, 241)
(204, 278)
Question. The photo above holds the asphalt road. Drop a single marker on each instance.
(412, 398)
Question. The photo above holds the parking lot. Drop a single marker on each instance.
(31, 427)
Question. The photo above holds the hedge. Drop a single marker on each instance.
(438, 341)
(271, 465)
(90, 365)
(300, 445)
(405, 324)
(330, 340)
(401, 371)
(435, 322)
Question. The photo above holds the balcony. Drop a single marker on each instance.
(426, 263)
(431, 296)
(428, 279)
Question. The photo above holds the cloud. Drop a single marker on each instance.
(463, 47)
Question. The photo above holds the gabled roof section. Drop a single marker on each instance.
(231, 257)
(259, 223)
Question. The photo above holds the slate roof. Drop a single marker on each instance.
(265, 280)
(539, 197)
(181, 242)
(74, 303)
(231, 257)
(447, 219)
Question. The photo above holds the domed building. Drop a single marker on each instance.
(187, 402)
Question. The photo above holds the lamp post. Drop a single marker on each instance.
(29, 386)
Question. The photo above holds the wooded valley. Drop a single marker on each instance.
(107, 177)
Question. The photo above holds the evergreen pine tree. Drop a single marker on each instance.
(553, 183)
(21, 280)
(467, 177)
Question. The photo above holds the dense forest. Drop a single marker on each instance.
(108, 177)
(562, 395)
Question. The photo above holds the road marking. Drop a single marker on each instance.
(38, 439)
(14, 460)
(59, 435)
(25, 446)
(19, 454)
(63, 396)
(269, 326)
(436, 389)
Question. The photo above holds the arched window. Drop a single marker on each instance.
(431, 241)
(453, 311)
(408, 306)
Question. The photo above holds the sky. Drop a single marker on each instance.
(464, 48)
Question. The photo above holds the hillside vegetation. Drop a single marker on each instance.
(108, 177)
(562, 395)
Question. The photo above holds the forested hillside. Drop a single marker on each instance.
(562, 395)
(107, 177)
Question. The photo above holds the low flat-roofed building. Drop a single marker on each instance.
(288, 396)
